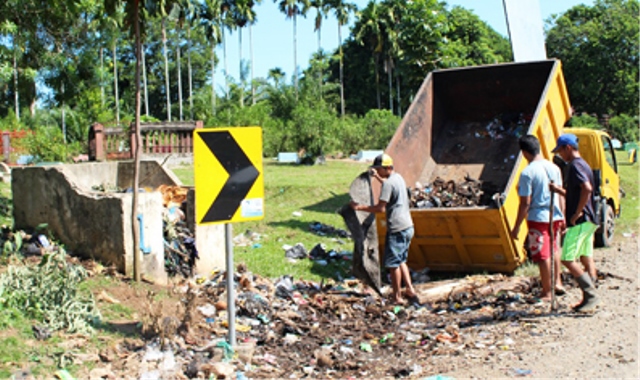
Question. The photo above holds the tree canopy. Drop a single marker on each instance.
(598, 47)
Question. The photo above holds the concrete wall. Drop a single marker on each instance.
(96, 224)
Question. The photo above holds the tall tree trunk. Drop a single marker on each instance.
(253, 86)
(143, 62)
(226, 70)
(241, 72)
(137, 259)
(213, 79)
(388, 64)
(399, 107)
(64, 121)
(376, 63)
(320, 67)
(189, 74)
(179, 80)
(15, 82)
(295, 54)
(102, 77)
(115, 84)
(166, 69)
(342, 110)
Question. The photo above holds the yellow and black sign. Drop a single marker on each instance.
(228, 174)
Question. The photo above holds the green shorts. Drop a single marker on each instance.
(578, 241)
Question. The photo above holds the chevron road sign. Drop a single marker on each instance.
(228, 174)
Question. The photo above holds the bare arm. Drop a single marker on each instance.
(523, 210)
(381, 206)
(585, 192)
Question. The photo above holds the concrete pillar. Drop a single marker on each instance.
(97, 151)
(210, 240)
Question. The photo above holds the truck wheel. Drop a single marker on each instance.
(604, 234)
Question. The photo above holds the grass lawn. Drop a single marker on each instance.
(629, 220)
(316, 192)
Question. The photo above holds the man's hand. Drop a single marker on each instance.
(354, 205)
(556, 189)
(575, 218)
(515, 232)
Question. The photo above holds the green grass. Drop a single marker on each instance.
(6, 204)
(317, 192)
(630, 206)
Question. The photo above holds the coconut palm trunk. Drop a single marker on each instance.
(253, 86)
(115, 83)
(102, 77)
(144, 80)
(166, 68)
(295, 54)
(213, 79)
(242, 78)
(189, 74)
(179, 59)
(15, 83)
(137, 259)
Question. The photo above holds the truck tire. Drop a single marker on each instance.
(604, 234)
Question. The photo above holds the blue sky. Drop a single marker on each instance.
(273, 34)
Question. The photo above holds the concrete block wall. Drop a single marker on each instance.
(98, 225)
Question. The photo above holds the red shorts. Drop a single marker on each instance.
(538, 239)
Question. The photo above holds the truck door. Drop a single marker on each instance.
(610, 180)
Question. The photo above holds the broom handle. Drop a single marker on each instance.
(553, 261)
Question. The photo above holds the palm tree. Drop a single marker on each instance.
(291, 9)
(342, 11)
(241, 14)
(227, 23)
(161, 9)
(134, 16)
(322, 8)
(253, 21)
(11, 29)
(369, 32)
(190, 14)
(211, 19)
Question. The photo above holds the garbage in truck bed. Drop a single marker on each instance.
(443, 193)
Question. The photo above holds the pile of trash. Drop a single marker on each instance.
(443, 193)
(289, 328)
(180, 253)
(505, 125)
(320, 254)
(322, 229)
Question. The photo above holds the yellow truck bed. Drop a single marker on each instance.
(444, 134)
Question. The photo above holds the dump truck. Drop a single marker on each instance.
(464, 125)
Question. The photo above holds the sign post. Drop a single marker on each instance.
(229, 188)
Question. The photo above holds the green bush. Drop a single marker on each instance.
(584, 121)
(624, 127)
(379, 127)
(47, 145)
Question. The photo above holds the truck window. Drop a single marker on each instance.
(609, 154)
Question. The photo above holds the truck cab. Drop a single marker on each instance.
(596, 148)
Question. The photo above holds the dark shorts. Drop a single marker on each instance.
(396, 247)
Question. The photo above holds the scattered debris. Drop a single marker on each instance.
(322, 229)
(442, 193)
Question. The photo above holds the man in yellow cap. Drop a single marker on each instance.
(394, 201)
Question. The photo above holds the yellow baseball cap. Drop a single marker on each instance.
(382, 160)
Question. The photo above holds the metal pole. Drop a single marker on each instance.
(231, 304)
(551, 240)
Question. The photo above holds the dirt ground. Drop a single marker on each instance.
(567, 345)
(330, 331)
